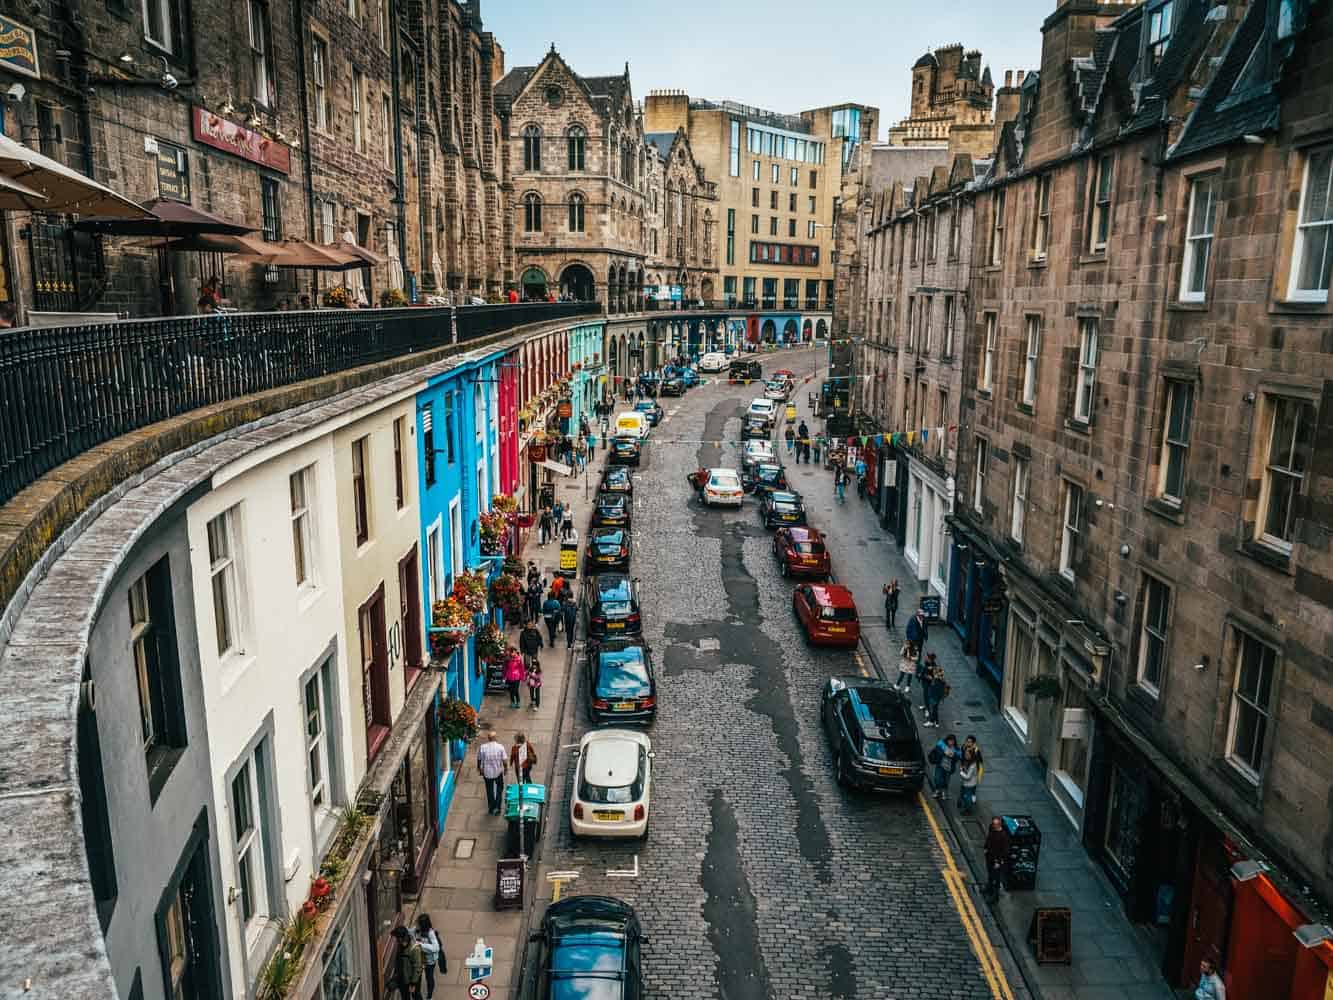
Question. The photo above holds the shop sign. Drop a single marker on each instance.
(173, 173)
(565, 409)
(508, 883)
(930, 604)
(214, 130)
(1074, 724)
(537, 453)
(18, 48)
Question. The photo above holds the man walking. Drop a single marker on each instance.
(530, 641)
(569, 611)
(408, 964)
(997, 857)
(491, 763)
(891, 604)
(551, 613)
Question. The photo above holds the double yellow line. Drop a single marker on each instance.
(967, 913)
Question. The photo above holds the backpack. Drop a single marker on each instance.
(936, 755)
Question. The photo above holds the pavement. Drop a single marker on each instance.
(761, 877)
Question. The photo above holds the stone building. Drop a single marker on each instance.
(579, 168)
(951, 103)
(1140, 552)
(683, 206)
(312, 130)
(778, 181)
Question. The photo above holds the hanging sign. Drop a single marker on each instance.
(18, 48)
(173, 173)
(564, 409)
(213, 130)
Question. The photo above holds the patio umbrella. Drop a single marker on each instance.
(367, 258)
(54, 187)
(241, 246)
(302, 254)
(163, 217)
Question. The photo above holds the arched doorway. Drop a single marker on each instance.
(534, 284)
(706, 290)
(821, 329)
(577, 280)
(807, 330)
(789, 331)
(769, 331)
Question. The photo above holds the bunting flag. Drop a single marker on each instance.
(925, 434)
(911, 438)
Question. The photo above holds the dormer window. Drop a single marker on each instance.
(1159, 32)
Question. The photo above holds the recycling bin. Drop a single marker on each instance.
(525, 813)
(1024, 849)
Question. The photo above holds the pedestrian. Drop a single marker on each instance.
(544, 525)
(924, 668)
(491, 762)
(432, 952)
(535, 589)
(936, 691)
(530, 641)
(790, 436)
(969, 777)
(569, 611)
(567, 524)
(514, 671)
(840, 483)
(860, 477)
(891, 604)
(592, 446)
(997, 858)
(944, 756)
(558, 586)
(407, 964)
(918, 631)
(534, 678)
(581, 453)
(906, 668)
(803, 431)
(1210, 985)
(523, 757)
(551, 612)
(557, 516)
(819, 447)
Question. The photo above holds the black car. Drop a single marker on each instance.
(781, 509)
(755, 427)
(651, 410)
(611, 601)
(742, 370)
(872, 734)
(589, 947)
(626, 449)
(612, 510)
(608, 548)
(673, 387)
(763, 477)
(621, 685)
(616, 479)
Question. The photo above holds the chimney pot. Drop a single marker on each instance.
(1021, 73)
(1008, 77)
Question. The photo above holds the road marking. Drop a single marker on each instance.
(976, 933)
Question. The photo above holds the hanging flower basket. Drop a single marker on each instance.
(513, 566)
(470, 591)
(451, 626)
(507, 593)
(458, 720)
(504, 503)
(491, 643)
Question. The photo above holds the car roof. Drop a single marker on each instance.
(607, 496)
(716, 473)
(784, 496)
(606, 909)
(761, 402)
(611, 763)
(804, 534)
(610, 581)
(607, 531)
(833, 594)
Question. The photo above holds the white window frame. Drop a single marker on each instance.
(320, 748)
(358, 110)
(982, 456)
(927, 323)
(997, 229)
(1241, 701)
(1028, 391)
(456, 560)
(1175, 440)
(1085, 391)
(1070, 528)
(224, 579)
(165, 11)
(1153, 629)
(261, 69)
(302, 481)
(950, 317)
(387, 107)
(1270, 470)
(249, 859)
(1019, 501)
(434, 562)
(383, 24)
(1041, 233)
(319, 76)
(1304, 229)
(327, 222)
(1198, 242)
(147, 672)
(1099, 228)
(987, 381)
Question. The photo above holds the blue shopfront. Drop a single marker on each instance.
(978, 604)
(585, 356)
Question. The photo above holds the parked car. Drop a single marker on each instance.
(713, 361)
(673, 387)
(764, 476)
(608, 548)
(873, 736)
(801, 552)
(690, 377)
(633, 422)
(612, 509)
(621, 684)
(776, 390)
(781, 507)
(616, 479)
(589, 947)
(755, 452)
(755, 428)
(827, 614)
(626, 449)
(611, 605)
(651, 409)
(744, 370)
(614, 784)
(723, 489)
(765, 408)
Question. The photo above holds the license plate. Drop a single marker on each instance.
(623, 706)
(607, 816)
(789, 517)
(890, 770)
(835, 628)
(615, 625)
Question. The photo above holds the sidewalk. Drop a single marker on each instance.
(459, 893)
(1110, 958)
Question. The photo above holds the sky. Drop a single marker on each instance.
(770, 54)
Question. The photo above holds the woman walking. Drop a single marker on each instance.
(534, 678)
(432, 952)
(891, 604)
(944, 755)
(514, 674)
(907, 660)
(936, 691)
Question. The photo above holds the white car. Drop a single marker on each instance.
(613, 785)
(714, 361)
(767, 409)
(776, 391)
(723, 489)
(757, 451)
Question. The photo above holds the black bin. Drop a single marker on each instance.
(1024, 849)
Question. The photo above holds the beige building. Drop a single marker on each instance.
(682, 221)
(952, 94)
(778, 181)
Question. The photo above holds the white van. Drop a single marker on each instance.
(631, 424)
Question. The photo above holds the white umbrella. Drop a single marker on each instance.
(56, 186)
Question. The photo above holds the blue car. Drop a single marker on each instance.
(690, 377)
(589, 948)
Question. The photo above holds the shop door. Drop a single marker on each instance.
(1209, 912)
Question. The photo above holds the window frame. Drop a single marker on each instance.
(303, 529)
(1018, 500)
(224, 572)
(577, 213)
(1100, 203)
(1179, 444)
(358, 111)
(996, 256)
(386, 106)
(399, 479)
(1299, 238)
(1191, 271)
(576, 141)
(250, 844)
(319, 79)
(532, 147)
(360, 491)
(168, 14)
(1272, 400)
(1247, 767)
(1158, 630)
(1085, 375)
(986, 372)
(261, 54)
(1071, 528)
(532, 212)
(1041, 229)
(1027, 389)
(980, 457)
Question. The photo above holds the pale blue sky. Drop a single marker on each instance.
(769, 53)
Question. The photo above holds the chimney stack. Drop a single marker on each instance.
(1007, 101)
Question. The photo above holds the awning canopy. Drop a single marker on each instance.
(557, 468)
(303, 254)
(163, 217)
(243, 246)
(55, 187)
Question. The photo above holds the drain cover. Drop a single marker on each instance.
(464, 846)
(976, 718)
(972, 704)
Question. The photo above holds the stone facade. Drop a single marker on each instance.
(683, 211)
(951, 103)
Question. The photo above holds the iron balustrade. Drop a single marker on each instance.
(64, 390)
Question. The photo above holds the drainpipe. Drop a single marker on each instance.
(399, 199)
(298, 27)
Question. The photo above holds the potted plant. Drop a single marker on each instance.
(494, 527)
(504, 503)
(513, 566)
(338, 297)
(393, 298)
(458, 720)
(470, 590)
(490, 643)
(507, 593)
(451, 625)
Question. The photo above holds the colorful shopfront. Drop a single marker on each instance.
(978, 603)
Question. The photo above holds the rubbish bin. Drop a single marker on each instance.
(525, 808)
(1024, 848)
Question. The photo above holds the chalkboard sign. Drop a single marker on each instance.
(993, 605)
(508, 884)
(1050, 935)
(930, 604)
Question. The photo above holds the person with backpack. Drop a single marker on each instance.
(551, 613)
(937, 689)
(944, 756)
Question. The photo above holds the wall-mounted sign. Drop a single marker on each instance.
(18, 48)
(214, 130)
(564, 409)
(173, 173)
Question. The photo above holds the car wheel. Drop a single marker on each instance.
(647, 823)
(783, 568)
(840, 763)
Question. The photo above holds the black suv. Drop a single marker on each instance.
(591, 947)
(616, 479)
(622, 687)
(612, 602)
(612, 510)
(873, 736)
(781, 508)
(741, 370)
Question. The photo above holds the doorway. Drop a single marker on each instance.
(576, 280)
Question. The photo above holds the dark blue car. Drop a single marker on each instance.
(589, 948)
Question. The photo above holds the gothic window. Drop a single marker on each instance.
(532, 148)
(577, 140)
(532, 213)
(576, 224)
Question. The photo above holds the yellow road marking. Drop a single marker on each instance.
(976, 933)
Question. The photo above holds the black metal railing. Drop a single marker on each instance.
(64, 390)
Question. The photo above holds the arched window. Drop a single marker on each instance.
(576, 213)
(577, 139)
(532, 148)
(532, 213)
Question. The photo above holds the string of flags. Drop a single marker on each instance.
(897, 439)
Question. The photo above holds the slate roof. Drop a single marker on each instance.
(927, 60)
(514, 81)
(1191, 34)
(1090, 71)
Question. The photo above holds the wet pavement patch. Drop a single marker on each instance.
(729, 910)
(841, 971)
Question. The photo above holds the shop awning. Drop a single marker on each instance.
(57, 187)
(557, 468)
(163, 217)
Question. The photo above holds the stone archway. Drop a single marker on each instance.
(533, 284)
(807, 330)
(821, 329)
(577, 280)
(789, 331)
(768, 333)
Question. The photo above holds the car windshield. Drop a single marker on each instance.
(723, 479)
(611, 503)
(879, 709)
(609, 538)
(622, 673)
(837, 614)
(588, 966)
(591, 791)
(768, 473)
(613, 589)
(785, 506)
(644, 407)
(809, 548)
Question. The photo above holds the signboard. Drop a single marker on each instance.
(564, 409)
(537, 453)
(18, 48)
(508, 884)
(1074, 724)
(1049, 934)
(173, 173)
(677, 293)
(569, 558)
(214, 130)
(930, 604)
(478, 991)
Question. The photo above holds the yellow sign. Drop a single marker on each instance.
(628, 423)
(569, 557)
